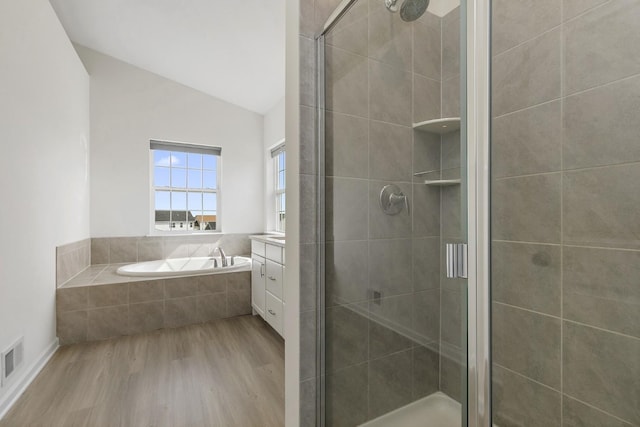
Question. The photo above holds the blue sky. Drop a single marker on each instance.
(188, 171)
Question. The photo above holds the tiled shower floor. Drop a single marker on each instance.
(435, 410)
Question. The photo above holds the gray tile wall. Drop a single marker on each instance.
(72, 259)
(566, 163)
(115, 250)
(89, 313)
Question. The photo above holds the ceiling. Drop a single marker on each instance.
(233, 50)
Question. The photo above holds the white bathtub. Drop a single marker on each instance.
(184, 267)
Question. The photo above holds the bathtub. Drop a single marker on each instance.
(184, 267)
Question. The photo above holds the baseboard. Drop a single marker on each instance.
(21, 383)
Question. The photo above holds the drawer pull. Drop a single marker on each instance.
(271, 312)
(272, 278)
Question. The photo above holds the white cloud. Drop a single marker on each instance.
(169, 160)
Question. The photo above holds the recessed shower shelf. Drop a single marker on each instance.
(424, 173)
(439, 126)
(442, 182)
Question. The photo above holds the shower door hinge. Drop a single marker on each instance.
(456, 260)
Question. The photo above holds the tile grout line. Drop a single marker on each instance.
(585, 325)
(528, 310)
(598, 409)
(527, 378)
(529, 107)
(526, 176)
(568, 245)
(563, 320)
(371, 179)
(519, 45)
(589, 10)
(603, 85)
(580, 92)
(554, 27)
(562, 101)
(571, 170)
(561, 393)
(522, 242)
(369, 297)
(441, 240)
(381, 62)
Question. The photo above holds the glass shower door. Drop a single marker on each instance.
(393, 201)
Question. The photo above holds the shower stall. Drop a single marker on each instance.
(478, 234)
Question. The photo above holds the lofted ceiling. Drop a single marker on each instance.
(232, 50)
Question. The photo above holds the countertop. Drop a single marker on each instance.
(272, 239)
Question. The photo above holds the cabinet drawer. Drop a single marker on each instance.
(274, 253)
(258, 248)
(274, 278)
(274, 313)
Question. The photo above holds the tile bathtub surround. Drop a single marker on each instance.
(71, 259)
(113, 250)
(88, 313)
(566, 251)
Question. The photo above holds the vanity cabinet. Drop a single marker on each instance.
(267, 281)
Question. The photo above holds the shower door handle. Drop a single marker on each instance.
(456, 260)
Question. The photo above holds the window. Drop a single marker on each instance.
(186, 187)
(279, 158)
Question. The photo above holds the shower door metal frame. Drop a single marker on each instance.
(478, 132)
(320, 233)
(478, 129)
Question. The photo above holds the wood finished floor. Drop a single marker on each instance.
(225, 373)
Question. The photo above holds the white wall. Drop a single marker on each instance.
(44, 134)
(129, 106)
(273, 134)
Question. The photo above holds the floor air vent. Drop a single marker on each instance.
(12, 358)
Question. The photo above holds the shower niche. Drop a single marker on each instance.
(443, 127)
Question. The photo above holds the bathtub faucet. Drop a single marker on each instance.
(223, 257)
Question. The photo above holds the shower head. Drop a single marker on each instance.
(410, 10)
(413, 9)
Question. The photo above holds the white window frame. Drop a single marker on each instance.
(185, 148)
(278, 192)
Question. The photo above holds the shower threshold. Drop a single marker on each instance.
(435, 410)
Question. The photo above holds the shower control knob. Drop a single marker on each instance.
(393, 200)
